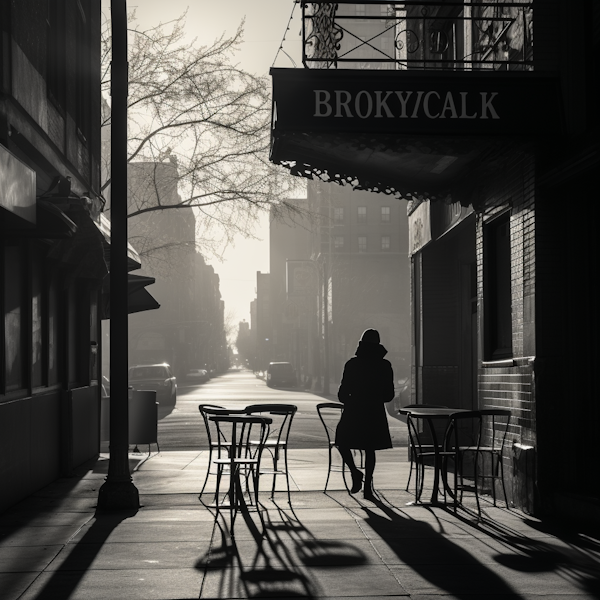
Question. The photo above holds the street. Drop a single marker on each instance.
(181, 427)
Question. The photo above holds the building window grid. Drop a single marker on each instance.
(385, 214)
(338, 242)
(362, 243)
(385, 242)
(338, 215)
(361, 214)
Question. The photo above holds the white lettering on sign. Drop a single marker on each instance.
(405, 104)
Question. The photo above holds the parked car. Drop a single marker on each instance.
(157, 377)
(281, 374)
(197, 375)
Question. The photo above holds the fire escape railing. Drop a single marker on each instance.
(460, 36)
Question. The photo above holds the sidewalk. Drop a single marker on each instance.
(54, 546)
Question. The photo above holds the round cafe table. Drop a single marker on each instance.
(430, 415)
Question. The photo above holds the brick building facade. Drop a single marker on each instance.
(503, 310)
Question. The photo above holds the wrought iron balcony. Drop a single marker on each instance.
(460, 36)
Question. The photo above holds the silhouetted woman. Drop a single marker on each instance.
(367, 384)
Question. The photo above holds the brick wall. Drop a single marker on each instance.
(510, 383)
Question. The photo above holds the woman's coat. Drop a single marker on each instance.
(367, 384)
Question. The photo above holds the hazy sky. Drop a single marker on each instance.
(266, 22)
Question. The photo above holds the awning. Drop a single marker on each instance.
(133, 258)
(412, 134)
(51, 224)
(138, 298)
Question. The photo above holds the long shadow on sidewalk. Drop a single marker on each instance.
(273, 561)
(446, 567)
(65, 580)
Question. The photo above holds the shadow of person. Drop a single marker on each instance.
(439, 563)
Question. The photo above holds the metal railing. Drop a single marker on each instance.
(418, 35)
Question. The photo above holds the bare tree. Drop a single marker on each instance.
(194, 110)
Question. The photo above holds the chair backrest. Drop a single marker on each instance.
(330, 413)
(464, 429)
(496, 422)
(211, 428)
(245, 434)
(282, 415)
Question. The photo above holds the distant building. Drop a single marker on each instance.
(361, 245)
(188, 329)
(264, 321)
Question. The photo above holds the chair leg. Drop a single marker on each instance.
(207, 469)
(275, 456)
(494, 472)
(287, 474)
(502, 479)
(475, 474)
(328, 470)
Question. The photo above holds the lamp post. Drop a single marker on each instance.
(118, 491)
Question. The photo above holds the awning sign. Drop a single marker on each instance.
(472, 102)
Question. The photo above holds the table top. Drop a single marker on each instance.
(431, 412)
(228, 418)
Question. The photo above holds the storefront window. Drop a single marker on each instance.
(37, 341)
(14, 316)
(497, 289)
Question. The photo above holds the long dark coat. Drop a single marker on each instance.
(367, 384)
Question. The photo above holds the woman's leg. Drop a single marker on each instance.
(369, 470)
(357, 476)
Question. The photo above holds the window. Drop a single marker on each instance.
(497, 289)
(338, 242)
(385, 242)
(338, 215)
(83, 81)
(361, 10)
(15, 313)
(37, 321)
(55, 52)
(385, 214)
(361, 216)
(362, 243)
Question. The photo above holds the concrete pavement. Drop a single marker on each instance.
(55, 546)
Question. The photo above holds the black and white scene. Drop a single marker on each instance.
(292, 304)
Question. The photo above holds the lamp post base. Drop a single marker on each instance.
(118, 495)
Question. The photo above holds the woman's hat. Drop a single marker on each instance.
(370, 336)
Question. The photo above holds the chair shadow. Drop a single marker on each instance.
(277, 565)
(393, 527)
(575, 554)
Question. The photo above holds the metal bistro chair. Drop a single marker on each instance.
(282, 415)
(330, 414)
(494, 429)
(418, 451)
(463, 432)
(239, 458)
(212, 434)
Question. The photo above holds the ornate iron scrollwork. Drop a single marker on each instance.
(323, 36)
